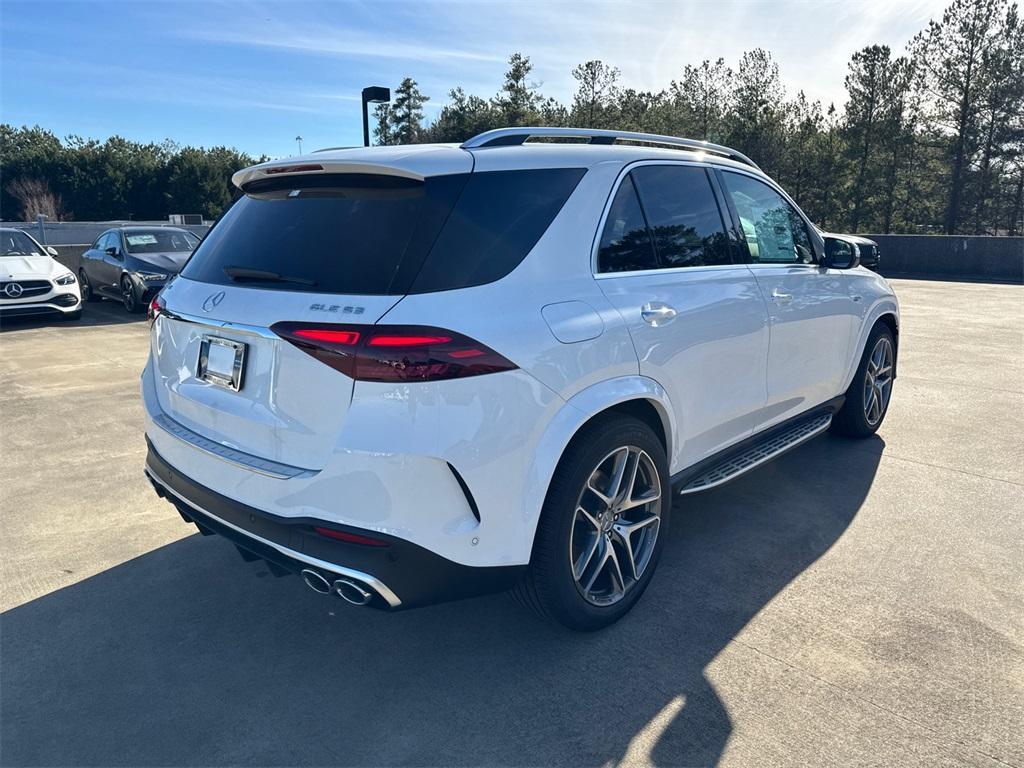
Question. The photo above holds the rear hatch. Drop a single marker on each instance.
(318, 247)
(330, 244)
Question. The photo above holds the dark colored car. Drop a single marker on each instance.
(131, 264)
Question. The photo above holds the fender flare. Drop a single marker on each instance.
(884, 306)
(571, 416)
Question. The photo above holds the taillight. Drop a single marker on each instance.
(156, 306)
(351, 538)
(394, 352)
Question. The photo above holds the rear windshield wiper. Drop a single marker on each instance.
(244, 274)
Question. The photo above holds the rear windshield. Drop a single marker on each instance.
(374, 234)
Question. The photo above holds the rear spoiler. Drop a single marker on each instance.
(276, 169)
(415, 162)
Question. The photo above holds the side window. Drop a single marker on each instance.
(774, 231)
(626, 243)
(101, 242)
(683, 215)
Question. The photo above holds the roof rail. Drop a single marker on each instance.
(513, 137)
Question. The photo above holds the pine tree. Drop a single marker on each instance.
(758, 110)
(702, 97)
(382, 124)
(518, 100)
(596, 94)
(954, 57)
(406, 117)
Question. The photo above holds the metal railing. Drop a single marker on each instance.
(514, 137)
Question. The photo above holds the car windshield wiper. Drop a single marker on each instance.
(244, 274)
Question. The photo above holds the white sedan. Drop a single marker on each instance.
(32, 281)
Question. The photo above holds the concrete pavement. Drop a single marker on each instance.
(852, 603)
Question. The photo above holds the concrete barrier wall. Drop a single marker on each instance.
(68, 255)
(954, 256)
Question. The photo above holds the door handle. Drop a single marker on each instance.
(655, 313)
(781, 298)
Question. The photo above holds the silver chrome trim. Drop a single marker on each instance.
(376, 584)
(505, 137)
(758, 454)
(225, 325)
(274, 469)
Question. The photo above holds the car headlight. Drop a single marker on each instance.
(151, 276)
(67, 279)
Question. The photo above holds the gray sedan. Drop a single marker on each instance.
(131, 264)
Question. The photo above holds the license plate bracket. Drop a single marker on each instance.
(221, 362)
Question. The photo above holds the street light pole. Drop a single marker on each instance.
(299, 139)
(377, 95)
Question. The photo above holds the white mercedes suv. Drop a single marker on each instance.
(420, 373)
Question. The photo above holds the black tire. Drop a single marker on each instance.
(88, 294)
(549, 587)
(131, 301)
(852, 419)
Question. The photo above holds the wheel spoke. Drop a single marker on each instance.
(632, 465)
(589, 518)
(605, 549)
(621, 464)
(615, 572)
(624, 533)
(586, 557)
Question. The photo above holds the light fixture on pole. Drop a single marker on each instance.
(374, 94)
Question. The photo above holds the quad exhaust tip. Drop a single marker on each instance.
(352, 592)
(348, 590)
(315, 581)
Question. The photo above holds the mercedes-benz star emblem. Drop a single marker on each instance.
(213, 300)
(13, 290)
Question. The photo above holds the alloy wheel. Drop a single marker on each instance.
(878, 381)
(615, 525)
(83, 283)
(128, 294)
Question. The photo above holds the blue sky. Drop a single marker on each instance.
(255, 75)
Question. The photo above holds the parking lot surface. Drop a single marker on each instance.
(852, 603)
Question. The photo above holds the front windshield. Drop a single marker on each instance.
(159, 241)
(15, 243)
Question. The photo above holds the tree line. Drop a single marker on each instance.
(930, 140)
(116, 179)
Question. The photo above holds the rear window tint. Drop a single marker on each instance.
(500, 216)
(366, 234)
(339, 233)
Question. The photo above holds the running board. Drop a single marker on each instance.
(775, 445)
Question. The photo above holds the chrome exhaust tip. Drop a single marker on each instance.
(315, 581)
(352, 592)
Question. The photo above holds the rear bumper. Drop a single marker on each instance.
(401, 575)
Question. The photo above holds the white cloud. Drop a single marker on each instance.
(445, 44)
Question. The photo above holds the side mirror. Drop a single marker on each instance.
(840, 254)
(52, 251)
(112, 251)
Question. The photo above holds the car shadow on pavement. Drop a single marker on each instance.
(183, 657)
